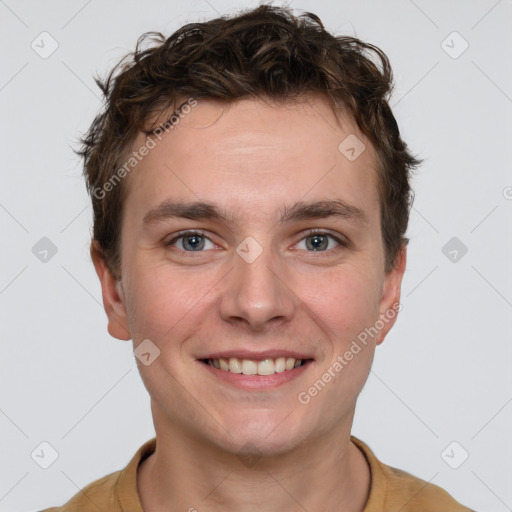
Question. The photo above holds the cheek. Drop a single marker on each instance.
(347, 303)
(162, 304)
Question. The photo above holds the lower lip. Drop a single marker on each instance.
(258, 382)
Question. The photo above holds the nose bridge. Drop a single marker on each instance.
(256, 292)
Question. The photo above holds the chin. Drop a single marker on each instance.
(262, 436)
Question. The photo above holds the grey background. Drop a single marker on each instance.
(443, 373)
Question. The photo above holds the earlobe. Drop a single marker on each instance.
(112, 294)
(391, 290)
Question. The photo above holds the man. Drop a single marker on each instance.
(251, 195)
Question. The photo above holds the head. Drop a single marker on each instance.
(250, 131)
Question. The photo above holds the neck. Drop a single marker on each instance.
(326, 474)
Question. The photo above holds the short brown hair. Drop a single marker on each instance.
(265, 53)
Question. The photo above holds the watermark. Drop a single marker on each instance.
(146, 352)
(454, 249)
(249, 455)
(44, 455)
(44, 250)
(44, 45)
(304, 397)
(454, 455)
(454, 45)
(351, 147)
(249, 249)
(151, 143)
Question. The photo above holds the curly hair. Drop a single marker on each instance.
(265, 53)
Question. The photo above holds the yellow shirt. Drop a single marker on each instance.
(391, 489)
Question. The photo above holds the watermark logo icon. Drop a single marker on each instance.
(454, 249)
(351, 147)
(249, 250)
(44, 45)
(44, 455)
(454, 455)
(44, 250)
(454, 45)
(146, 352)
(249, 455)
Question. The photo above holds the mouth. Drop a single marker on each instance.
(259, 367)
(255, 371)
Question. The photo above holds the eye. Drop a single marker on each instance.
(315, 240)
(321, 241)
(191, 241)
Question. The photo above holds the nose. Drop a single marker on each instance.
(257, 293)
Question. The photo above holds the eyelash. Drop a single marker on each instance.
(312, 232)
(342, 243)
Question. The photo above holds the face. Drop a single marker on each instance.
(251, 239)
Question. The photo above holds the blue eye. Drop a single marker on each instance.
(320, 241)
(191, 241)
(315, 241)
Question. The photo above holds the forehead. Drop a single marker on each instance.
(253, 154)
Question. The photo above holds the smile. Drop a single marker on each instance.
(266, 366)
(262, 374)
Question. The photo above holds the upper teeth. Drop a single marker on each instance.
(251, 367)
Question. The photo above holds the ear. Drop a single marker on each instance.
(113, 296)
(390, 302)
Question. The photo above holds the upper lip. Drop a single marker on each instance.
(255, 356)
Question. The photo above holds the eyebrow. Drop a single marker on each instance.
(202, 210)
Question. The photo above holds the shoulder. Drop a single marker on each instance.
(393, 489)
(98, 495)
(410, 493)
(113, 493)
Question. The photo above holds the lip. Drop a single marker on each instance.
(257, 382)
(256, 356)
